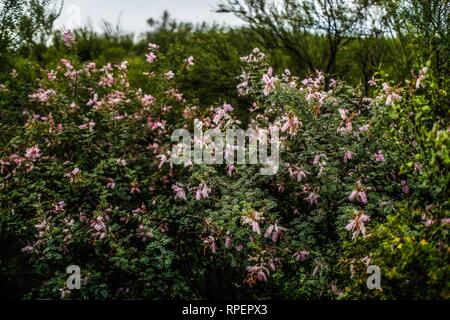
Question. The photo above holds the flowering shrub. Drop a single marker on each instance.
(90, 181)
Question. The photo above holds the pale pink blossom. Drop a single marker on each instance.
(88, 125)
(110, 183)
(417, 167)
(169, 75)
(202, 191)
(296, 172)
(391, 95)
(144, 232)
(364, 128)
(151, 57)
(73, 174)
(121, 162)
(153, 47)
(357, 226)
(134, 188)
(179, 192)
(42, 95)
(27, 249)
(256, 274)
(228, 241)
(301, 255)
(421, 77)
(291, 125)
(269, 82)
(312, 198)
(210, 242)
(230, 169)
(155, 124)
(107, 81)
(59, 207)
(379, 157)
(372, 82)
(253, 220)
(274, 231)
(68, 38)
(33, 153)
(405, 186)
(51, 75)
(99, 226)
(343, 113)
(348, 155)
(189, 61)
(359, 194)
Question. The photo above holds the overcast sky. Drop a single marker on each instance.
(136, 12)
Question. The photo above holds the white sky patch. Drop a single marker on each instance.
(133, 14)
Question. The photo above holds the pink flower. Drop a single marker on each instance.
(253, 220)
(255, 274)
(27, 249)
(134, 188)
(227, 107)
(274, 231)
(301, 255)
(68, 38)
(110, 183)
(169, 75)
(269, 82)
(73, 174)
(88, 125)
(417, 167)
(358, 194)
(42, 95)
(343, 113)
(51, 75)
(202, 191)
(154, 125)
(333, 83)
(421, 77)
(121, 162)
(312, 198)
(405, 186)
(147, 100)
(379, 157)
(228, 241)
(151, 57)
(33, 153)
(144, 232)
(107, 81)
(357, 225)
(366, 260)
(99, 227)
(153, 47)
(364, 127)
(297, 173)
(189, 61)
(179, 192)
(59, 207)
(348, 155)
(391, 95)
(372, 82)
(230, 169)
(210, 242)
(291, 125)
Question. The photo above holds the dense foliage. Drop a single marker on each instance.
(86, 176)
